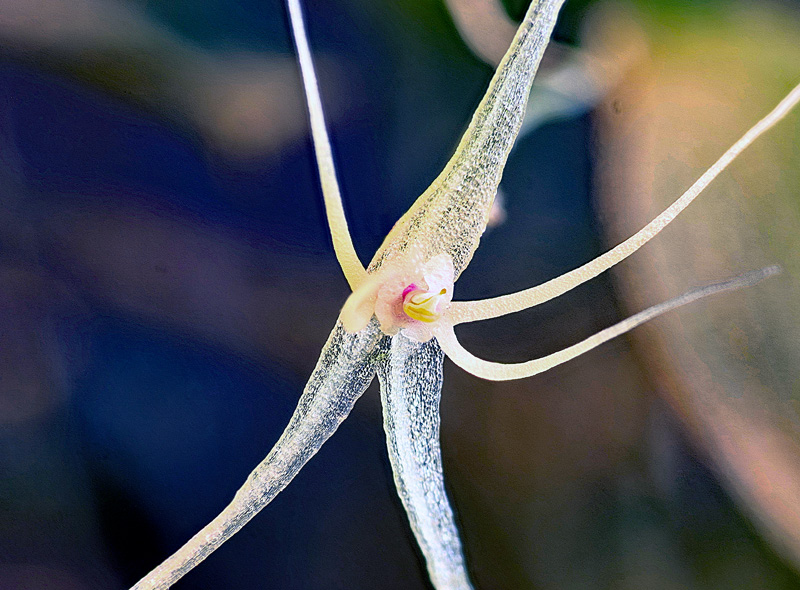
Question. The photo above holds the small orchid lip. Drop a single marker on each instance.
(422, 305)
(408, 297)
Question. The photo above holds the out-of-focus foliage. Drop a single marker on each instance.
(731, 368)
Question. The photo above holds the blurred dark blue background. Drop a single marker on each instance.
(167, 281)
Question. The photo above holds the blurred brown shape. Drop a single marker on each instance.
(245, 104)
(485, 26)
(730, 366)
(572, 80)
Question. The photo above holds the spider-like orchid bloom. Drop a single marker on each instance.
(411, 295)
(398, 322)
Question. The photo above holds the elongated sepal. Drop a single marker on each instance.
(345, 369)
(411, 384)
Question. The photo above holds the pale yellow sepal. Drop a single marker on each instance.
(359, 307)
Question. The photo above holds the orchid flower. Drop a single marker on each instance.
(399, 320)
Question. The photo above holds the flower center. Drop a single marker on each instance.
(422, 305)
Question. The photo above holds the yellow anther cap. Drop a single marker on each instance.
(423, 305)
